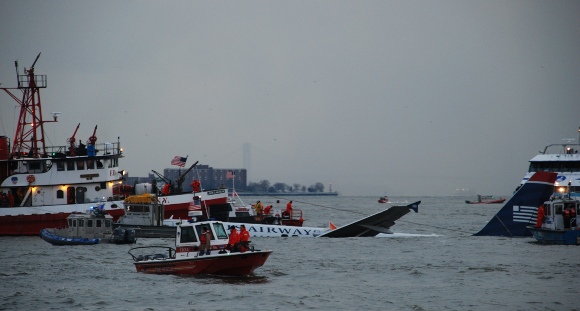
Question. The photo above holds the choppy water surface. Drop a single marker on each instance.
(439, 266)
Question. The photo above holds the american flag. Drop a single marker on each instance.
(179, 161)
(230, 174)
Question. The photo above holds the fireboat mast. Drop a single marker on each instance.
(29, 135)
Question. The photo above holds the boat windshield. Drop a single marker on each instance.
(220, 231)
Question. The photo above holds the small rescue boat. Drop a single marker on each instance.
(486, 199)
(384, 199)
(556, 222)
(188, 259)
(93, 227)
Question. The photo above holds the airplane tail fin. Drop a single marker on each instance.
(331, 225)
(520, 210)
(415, 206)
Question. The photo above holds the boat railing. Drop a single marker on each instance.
(565, 149)
(154, 255)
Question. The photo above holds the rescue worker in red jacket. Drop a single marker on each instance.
(540, 217)
(267, 210)
(234, 240)
(205, 242)
(244, 239)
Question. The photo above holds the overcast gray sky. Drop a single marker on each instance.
(375, 97)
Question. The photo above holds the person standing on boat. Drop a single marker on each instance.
(259, 207)
(288, 212)
(234, 240)
(540, 216)
(566, 215)
(205, 242)
(244, 239)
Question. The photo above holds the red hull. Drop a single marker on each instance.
(32, 224)
(234, 264)
(16, 225)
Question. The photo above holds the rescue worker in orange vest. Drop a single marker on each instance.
(165, 190)
(288, 212)
(540, 217)
(234, 240)
(205, 242)
(566, 215)
(572, 216)
(244, 239)
(196, 185)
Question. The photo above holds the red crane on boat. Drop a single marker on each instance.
(29, 136)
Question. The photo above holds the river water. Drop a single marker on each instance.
(437, 266)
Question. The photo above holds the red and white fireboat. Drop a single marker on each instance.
(187, 258)
(42, 185)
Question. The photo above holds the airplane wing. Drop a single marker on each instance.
(380, 222)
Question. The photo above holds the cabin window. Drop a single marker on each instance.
(108, 223)
(548, 210)
(99, 223)
(220, 231)
(74, 223)
(81, 223)
(89, 223)
(70, 166)
(90, 165)
(34, 166)
(103, 185)
(558, 209)
(99, 164)
(70, 223)
(81, 165)
(59, 194)
(187, 235)
(60, 166)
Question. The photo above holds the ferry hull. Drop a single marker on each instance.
(233, 264)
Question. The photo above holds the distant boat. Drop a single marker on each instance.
(384, 199)
(486, 199)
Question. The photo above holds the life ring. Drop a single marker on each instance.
(30, 179)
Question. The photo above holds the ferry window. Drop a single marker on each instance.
(558, 209)
(103, 185)
(90, 165)
(80, 165)
(74, 223)
(187, 235)
(99, 164)
(108, 223)
(110, 163)
(220, 231)
(70, 166)
(89, 223)
(81, 223)
(60, 166)
(99, 223)
(59, 194)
